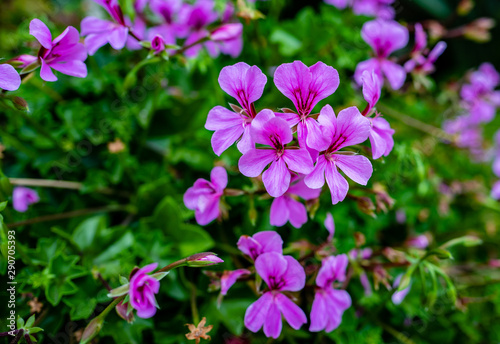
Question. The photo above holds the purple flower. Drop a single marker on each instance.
(203, 259)
(23, 197)
(9, 78)
(399, 296)
(99, 32)
(480, 97)
(372, 87)
(329, 303)
(269, 130)
(373, 8)
(364, 253)
(281, 273)
(330, 226)
(158, 44)
(64, 54)
(227, 32)
(204, 196)
(305, 87)
(259, 243)
(198, 17)
(419, 241)
(418, 62)
(384, 37)
(230, 277)
(245, 84)
(286, 208)
(495, 191)
(349, 128)
(142, 291)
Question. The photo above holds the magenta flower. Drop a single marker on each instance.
(399, 296)
(419, 241)
(419, 63)
(64, 54)
(203, 259)
(281, 273)
(204, 196)
(364, 253)
(230, 277)
(330, 226)
(99, 32)
(245, 84)
(269, 130)
(349, 128)
(142, 291)
(384, 37)
(158, 44)
(480, 97)
(259, 243)
(371, 8)
(9, 78)
(372, 87)
(286, 208)
(329, 303)
(23, 197)
(227, 32)
(198, 17)
(305, 87)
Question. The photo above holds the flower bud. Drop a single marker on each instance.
(203, 259)
(158, 44)
(92, 330)
(227, 32)
(479, 29)
(122, 311)
(20, 103)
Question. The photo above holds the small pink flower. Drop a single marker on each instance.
(495, 191)
(305, 87)
(259, 243)
(384, 37)
(23, 197)
(419, 241)
(246, 84)
(399, 296)
(329, 303)
(204, 196)
(330, 226)
(158, 44)
(418, 62)
(227, 32)
(142, 291)
(65, 53)
(281, 273)
(203, 259)
(9, 78)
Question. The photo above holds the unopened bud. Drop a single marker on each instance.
(20, 103)
(365, 204)
(479, 30)
(122, 311)
(359, 239)
(92, 330)
(464, 7)
(227, 32)
(203, 259)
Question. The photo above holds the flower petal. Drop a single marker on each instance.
(395, 74)
(221, 118)
(298, 160)
(46, 73)
(316, 179)
(293, 314)
(73, 68)
(276, 178)
(294, 275)
(42, 33)
(254, 161)
(338, 185)
(222, 139)
(318, 313)
(273, 324)
(279, 211)
(9, 78)
(218, 177)
(256, 313)
(271, 266)
(356, 167)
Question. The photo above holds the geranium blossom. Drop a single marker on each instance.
(9, 78)
(229, 278)
(281, 273)
(64, 54)
(142, 291)
(330, 226)
(305, 87)
(204, 196)
(246, 84)
(99, 32)
(349, 128)
(384, 37)
(23, 197)
(399, 296)
(495, 191)
(374, 8)
(259, 243)
(419, 63)
(269, 130)
(329, 303)
(286, 208)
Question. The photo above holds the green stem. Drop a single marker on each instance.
(70, 214)
(173, 265)
(415, 123)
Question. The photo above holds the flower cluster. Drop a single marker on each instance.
(387, 36)
(283, 275)
(294, 166)
(372, 8)
(161, 24)
(479, 102)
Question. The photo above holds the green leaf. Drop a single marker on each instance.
(121, 290)
(34, 330)
(20, 322)
(64, 270)
(30, 321)
(288, 44)
(440, 253)
(160, 275)
(3, 205)
(84, 234)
